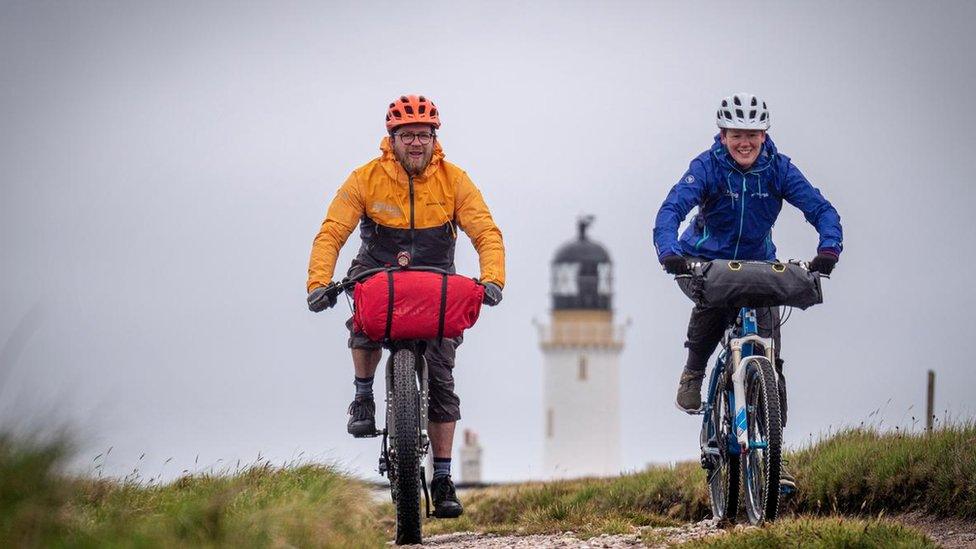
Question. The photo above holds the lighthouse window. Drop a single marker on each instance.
(549, 429)
(581, 372)
(604, 278)
(564, 279)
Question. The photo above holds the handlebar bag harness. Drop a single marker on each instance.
(734, 284)
(398, 305)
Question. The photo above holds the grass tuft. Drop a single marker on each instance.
(304, 506)
(854, 472)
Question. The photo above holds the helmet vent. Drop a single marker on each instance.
(752, 113)
(403, 99)
(422, 109)
(422, 99)
(738, 112)
(433, 112)
(724, 103)
(735, 99)
(753, 101)
(397, 115)
(408, 109)
(728, 115)
(762, 117)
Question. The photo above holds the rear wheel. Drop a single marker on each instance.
(723, 481)
(405, 447)
(762, 460)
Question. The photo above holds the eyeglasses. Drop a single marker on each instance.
(408, 138)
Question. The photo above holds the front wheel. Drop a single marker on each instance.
(762, 458)
(405, 447)
(723, 480)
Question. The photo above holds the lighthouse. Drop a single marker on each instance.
(581, 347)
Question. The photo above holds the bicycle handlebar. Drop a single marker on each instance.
(805, 265)
(349, 282)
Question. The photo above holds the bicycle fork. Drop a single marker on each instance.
(739, 366)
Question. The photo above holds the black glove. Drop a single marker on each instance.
(676, 265)
(493, 294)
(824, 263)
(322, 298)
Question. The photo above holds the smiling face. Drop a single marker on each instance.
(409, 150)
(743, 145)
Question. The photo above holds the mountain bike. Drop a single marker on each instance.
(742, 435)
(405, 441)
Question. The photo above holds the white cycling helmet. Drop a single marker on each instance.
(743, 111)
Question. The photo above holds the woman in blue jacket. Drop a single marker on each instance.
(738, 186)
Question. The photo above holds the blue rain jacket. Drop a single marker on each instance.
(737, 209)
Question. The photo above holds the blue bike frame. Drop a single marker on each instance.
(745, 332)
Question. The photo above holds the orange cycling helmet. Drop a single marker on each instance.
(412, 109)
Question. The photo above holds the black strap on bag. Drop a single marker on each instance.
(440, 320)
(389, 307)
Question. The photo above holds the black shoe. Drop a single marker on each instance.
(362, 417)
(446, 503)
(689, 391)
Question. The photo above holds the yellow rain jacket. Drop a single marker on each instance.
(397, 213)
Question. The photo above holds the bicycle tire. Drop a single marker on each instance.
(406, 448)
(723, 483)
(761, 466)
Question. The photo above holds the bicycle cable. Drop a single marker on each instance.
(785, 317)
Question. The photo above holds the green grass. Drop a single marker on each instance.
(814, 533)
(657, 497)
(853, 472)
(863, 471)
(263, 506)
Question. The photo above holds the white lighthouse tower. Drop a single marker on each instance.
(582, 348)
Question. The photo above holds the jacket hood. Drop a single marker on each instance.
(766, 155)
(392, 166)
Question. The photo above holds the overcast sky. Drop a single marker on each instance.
(165, 166)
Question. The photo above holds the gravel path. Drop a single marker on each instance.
(949, 533)
(658, 537)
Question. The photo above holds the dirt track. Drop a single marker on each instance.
(949, 533)
(658, 538)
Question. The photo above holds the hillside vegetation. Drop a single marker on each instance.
(854, 472)
(304, 506)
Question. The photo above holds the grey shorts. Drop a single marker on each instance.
(443, 404)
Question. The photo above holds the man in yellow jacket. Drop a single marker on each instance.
(409, 199)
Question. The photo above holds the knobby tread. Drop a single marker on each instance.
(769, 395)
(406, 418)
(729, 488)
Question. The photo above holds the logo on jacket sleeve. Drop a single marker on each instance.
(689, 178)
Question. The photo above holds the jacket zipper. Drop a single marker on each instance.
(410, 183)
(742, 218)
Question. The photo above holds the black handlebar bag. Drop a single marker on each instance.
(735, 284)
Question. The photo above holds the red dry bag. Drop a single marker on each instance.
(416, 305)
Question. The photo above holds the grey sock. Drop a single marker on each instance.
(442, 467)
(364, 386)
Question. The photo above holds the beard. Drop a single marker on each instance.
(414, 165)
